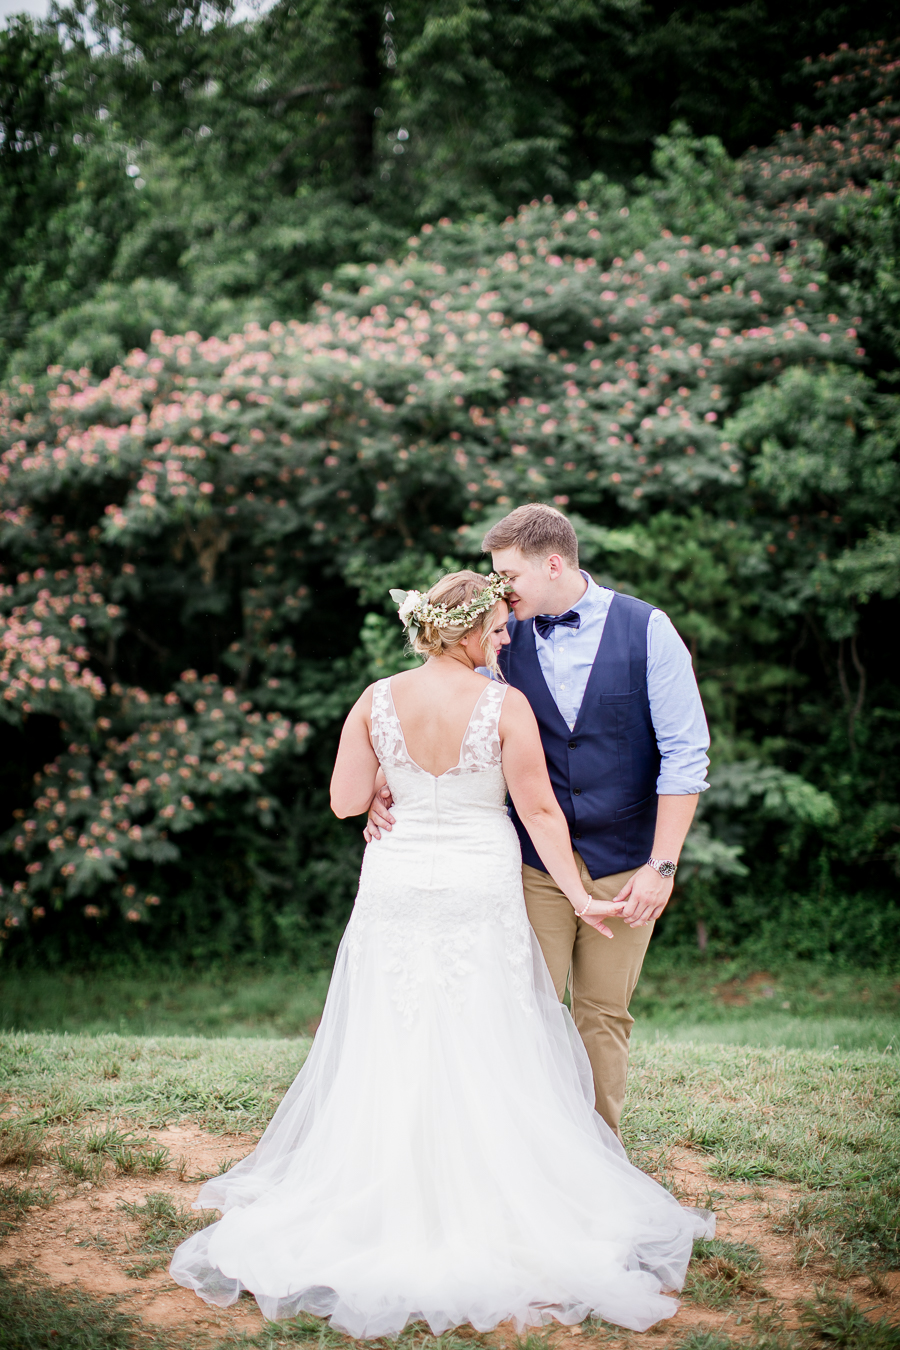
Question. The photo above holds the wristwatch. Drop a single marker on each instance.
(664, 866)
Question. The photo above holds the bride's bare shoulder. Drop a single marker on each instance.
(515, 700)
(363, 705)
(516, 710)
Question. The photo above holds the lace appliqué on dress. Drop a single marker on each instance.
(387, 733)
(480, 747)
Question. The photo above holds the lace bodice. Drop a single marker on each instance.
(480, 748)
(450, 865)
(474, 785)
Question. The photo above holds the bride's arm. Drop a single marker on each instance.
(525, 770)
(356, 768)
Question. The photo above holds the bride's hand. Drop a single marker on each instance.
(380, 817)
(597, 911)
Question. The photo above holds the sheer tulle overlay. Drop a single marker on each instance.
(438, 1156)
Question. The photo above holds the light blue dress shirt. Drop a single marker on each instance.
(567, 655)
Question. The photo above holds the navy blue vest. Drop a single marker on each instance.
(604, 771)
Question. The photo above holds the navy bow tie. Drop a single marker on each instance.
(545, 623)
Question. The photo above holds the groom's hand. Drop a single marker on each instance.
(380, 817)
(646, 894)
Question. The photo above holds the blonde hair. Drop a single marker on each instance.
(457, 588)
(537, 531)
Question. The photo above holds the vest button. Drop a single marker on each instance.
(573, 745)
(576, 836)
(577, 792)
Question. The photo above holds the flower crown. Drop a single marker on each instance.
(414, 608)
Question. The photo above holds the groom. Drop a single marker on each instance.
(613, 690)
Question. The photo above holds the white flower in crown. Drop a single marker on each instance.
(408, 606)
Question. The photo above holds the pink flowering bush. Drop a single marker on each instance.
(700, 405)
(100, 816)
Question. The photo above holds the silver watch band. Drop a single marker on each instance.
(664, 866)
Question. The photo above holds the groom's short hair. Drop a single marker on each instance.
(536, 531)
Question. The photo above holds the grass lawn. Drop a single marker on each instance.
(163, 1003)
(800, 1007)
(784, 1119)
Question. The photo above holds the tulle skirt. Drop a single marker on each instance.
(442, 1161)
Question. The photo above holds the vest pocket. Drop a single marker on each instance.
(631, 712)
(637, 809)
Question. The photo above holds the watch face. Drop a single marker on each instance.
(667, 869)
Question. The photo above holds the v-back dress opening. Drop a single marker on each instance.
(438, 1157)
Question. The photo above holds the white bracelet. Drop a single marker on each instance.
(580, 913)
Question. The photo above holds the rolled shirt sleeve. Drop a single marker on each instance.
(676, 711)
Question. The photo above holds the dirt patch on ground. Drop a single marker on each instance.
(85, 1236)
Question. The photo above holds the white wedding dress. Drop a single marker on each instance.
(438, 1156)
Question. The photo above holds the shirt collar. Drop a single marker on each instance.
(592, 604)
(595, 599)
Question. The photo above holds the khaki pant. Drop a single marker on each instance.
(601, 975)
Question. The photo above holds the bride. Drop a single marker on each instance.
(438, 1156)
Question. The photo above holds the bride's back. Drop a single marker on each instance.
(435, 704)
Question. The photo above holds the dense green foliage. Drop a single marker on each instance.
(699, 367)
(161, 167)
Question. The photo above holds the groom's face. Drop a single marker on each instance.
(532, 580)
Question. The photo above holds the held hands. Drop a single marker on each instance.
(597, 911)
(640, 901)
(645, 896)
(380, 817)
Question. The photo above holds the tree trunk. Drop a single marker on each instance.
(370, 23)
